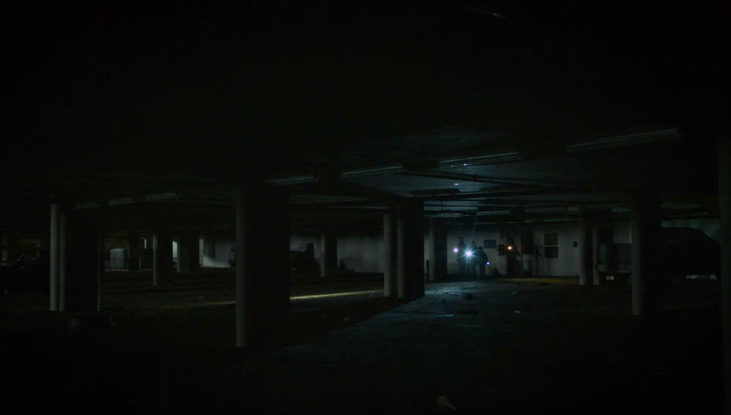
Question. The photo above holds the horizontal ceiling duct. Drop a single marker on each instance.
(627, 140)
(513, 155)
(128, 201)
(401, 168)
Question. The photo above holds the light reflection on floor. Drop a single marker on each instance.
(293, 298)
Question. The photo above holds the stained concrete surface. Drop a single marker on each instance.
(515, 347)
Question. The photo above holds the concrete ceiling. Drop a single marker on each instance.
(468, 105)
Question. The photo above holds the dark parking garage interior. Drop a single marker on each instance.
(259, 207)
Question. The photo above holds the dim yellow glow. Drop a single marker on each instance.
(308, 297)
(299, 297)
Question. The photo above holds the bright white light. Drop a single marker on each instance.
(456, 184)
(456, 250)
(488, 262)
(510, 248)
(465, 164)
(468, 253)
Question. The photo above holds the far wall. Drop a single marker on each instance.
(364, 253)
(567, 263)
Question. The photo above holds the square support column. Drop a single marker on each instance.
(390, 269)
(262, 268)
(432, 250)
(646, 261)
(596, 279)
(85, 259)
(437, 251)
(133, 251)
(162, 258)
(201, 250)
(328, 253)
(410, 251)
(5, 244)
(584, 250)
(53, 257)
(62, 258)
(724, 202)
(188, 253)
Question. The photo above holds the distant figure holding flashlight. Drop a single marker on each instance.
(481, 260)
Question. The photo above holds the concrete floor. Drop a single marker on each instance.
(514, 347)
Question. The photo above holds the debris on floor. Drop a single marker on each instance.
(468, 297)
(517, 311)
(470, 312)
(444, 301)
(347, 318)
(443, 402)
(515, 292)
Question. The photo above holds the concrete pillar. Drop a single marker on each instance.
(53, 255)
(328, 253)
(162, 258)
(187, 253)
(596, 229)
(583, 251)
(195, 259)
(244, 247)
(133, 251)
(390, 261)
(262, 277)
(646, 261)
(85, 250)
(5, 243)
(438, 254)
(62, 259)
(401, 254)
(432, 249)
(410, 250)
(724, 202)
(201, 250)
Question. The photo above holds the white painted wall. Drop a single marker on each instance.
(221, 252)
(567, 263)
(364, 253)
(622, 232)
(361, 253)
